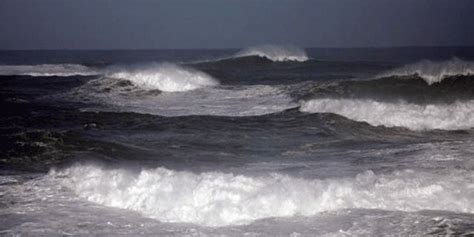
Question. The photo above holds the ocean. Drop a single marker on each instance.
(263, 141)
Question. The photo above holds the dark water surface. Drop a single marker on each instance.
(332, 142)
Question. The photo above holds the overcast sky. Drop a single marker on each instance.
(132, 24)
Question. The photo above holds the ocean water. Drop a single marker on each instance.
(263, 141)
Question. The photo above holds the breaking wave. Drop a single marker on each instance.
(455, 116)
(219, 101)
(433, 72)
(164, 77)
(275, 53)
(218, 199)
(47, 70)
(412, 89)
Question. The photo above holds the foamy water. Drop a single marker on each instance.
(218, 199)
(458, 115)
(217, 101)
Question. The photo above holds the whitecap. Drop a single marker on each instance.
(275, 53)
(165, 77)
(434, 72)
(458, 115)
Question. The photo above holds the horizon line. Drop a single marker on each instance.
(235, 48)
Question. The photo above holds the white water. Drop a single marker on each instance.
(218, 101)
(433, 72)
(164, 77)
(218, 199)
(275, 53)
(458, 115)
(46, 70)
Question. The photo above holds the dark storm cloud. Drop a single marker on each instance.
(109, 24)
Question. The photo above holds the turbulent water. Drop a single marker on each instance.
(264, 141)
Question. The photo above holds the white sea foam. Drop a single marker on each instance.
(433, 72)
(217, 199)
(458, 115)
(219, 101)
(45, 70)
(164, 77)
(275, 53)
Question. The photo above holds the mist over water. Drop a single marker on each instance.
(267, 140)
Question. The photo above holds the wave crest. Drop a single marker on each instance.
(164, 77)
(47, 70)
(433, 72)
(217, 199)
(275, 53)
(458, 115)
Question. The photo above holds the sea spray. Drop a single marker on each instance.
(275, 53)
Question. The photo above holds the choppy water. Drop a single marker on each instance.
(267, 141)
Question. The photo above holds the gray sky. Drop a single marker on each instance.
(132, 24)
